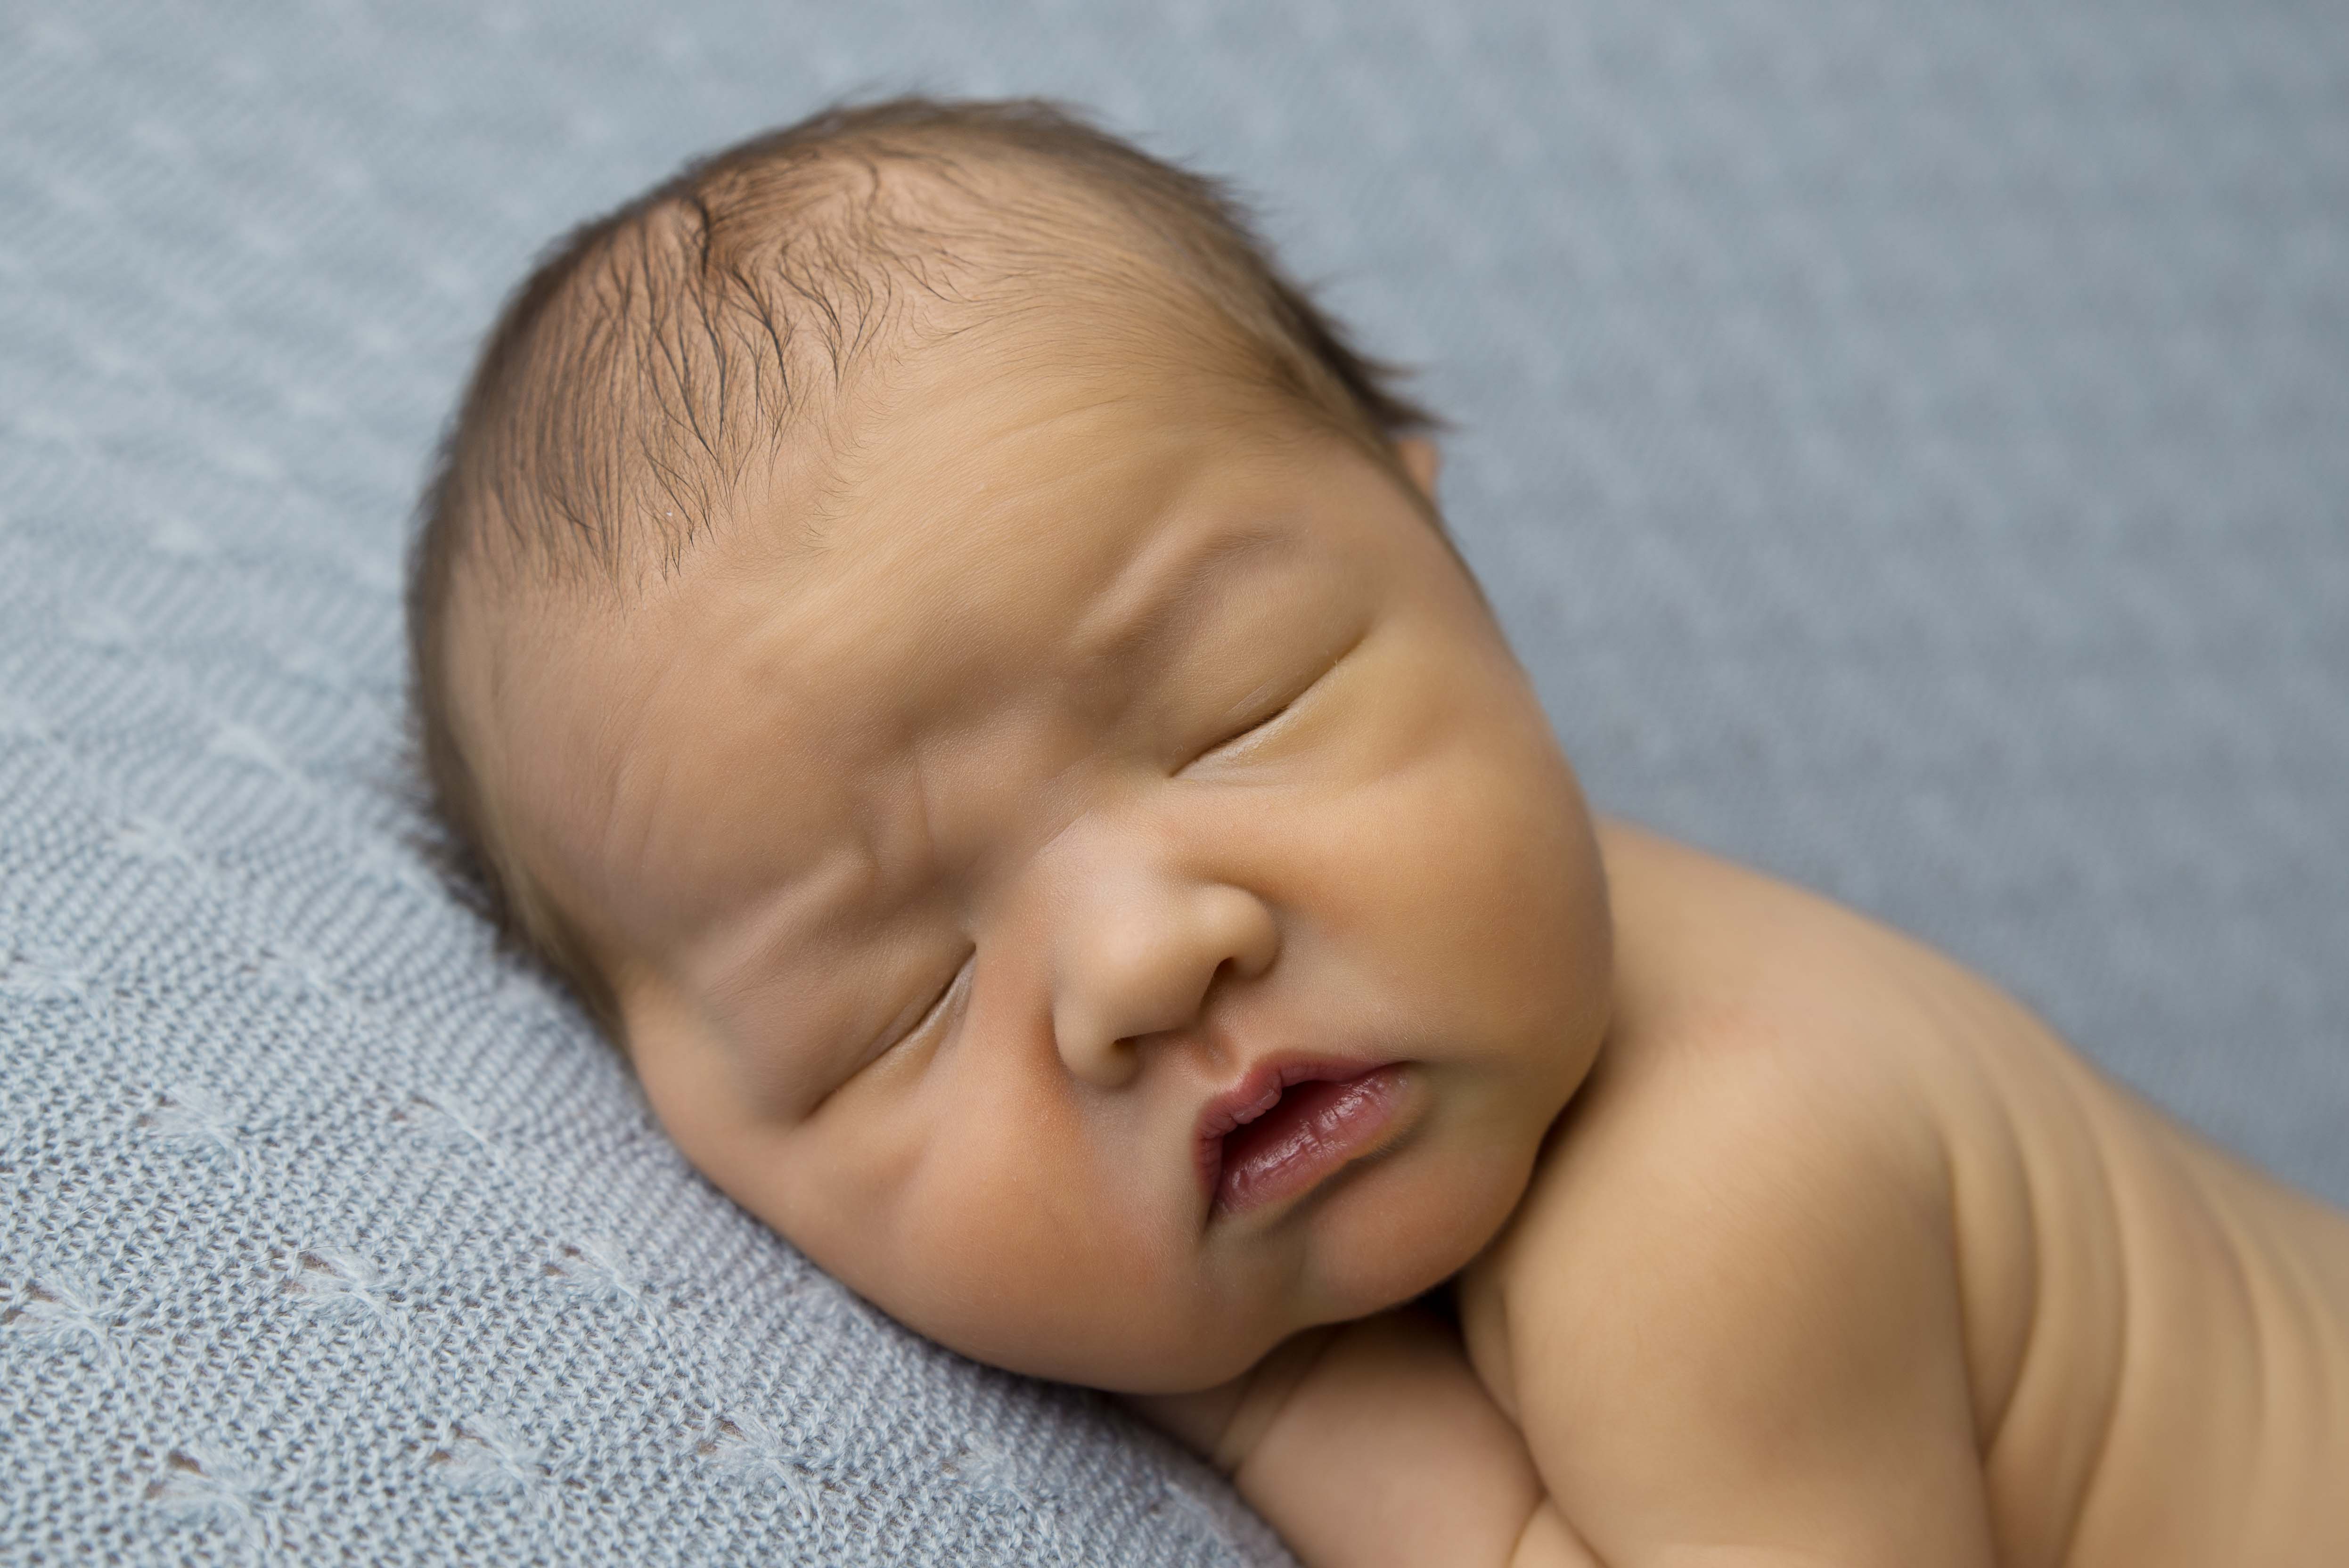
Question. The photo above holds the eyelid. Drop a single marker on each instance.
(883, 1050)
(939, 1004)
(1254, 726)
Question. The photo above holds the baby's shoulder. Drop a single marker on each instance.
(1832, 1214)
(1718, 1143)
(1729, 1304)
(1746, 1189)
(1755, 1021)
(1760, 1163)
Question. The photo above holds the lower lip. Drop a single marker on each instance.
(1318, 1127)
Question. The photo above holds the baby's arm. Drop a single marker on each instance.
(1733, 1336)
(1373, 1444)
(1735, 1331)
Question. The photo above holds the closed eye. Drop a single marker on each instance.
(936, 1007)
(1265, 721)
(1254, 726)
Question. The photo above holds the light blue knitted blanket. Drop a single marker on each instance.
(1906, 442)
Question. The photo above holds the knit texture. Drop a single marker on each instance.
(1904, 441)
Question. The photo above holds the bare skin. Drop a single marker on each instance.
(1839, 1256)
(965, 878)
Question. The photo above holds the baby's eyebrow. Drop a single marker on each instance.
(1145, 622)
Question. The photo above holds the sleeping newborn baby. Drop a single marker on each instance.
(959, 661)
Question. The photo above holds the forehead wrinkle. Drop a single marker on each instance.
(832, 864)
(1144, 622)
(831, 896)
(694, 651)
(823, 884)
(548, 799)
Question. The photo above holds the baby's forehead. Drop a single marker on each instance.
(988, 529)
(1021, 518)
(1002, 543)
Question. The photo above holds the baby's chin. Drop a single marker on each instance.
(1169, 1340)
(1389, 1247)
(1186, 1359)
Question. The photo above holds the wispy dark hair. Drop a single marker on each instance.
(655, 353)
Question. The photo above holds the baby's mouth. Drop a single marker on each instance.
(1288, 1126)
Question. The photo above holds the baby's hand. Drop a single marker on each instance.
(1373, 1445)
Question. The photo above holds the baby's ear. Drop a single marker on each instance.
(1422, 461)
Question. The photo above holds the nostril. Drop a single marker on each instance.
(1231, 971)
(1128, 975)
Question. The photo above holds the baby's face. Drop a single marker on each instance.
(1121, 763)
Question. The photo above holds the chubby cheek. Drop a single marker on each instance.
(1013, 1239)
(1526, 911)
(1482, 930)
(1484, 914)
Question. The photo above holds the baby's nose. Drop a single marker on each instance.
(1139, 953)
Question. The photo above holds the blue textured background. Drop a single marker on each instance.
(1908, 443)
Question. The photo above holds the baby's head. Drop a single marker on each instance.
(958, 661)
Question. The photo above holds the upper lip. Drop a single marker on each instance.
(1258, 1091)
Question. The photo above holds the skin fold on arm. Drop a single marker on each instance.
(1373, 1445)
